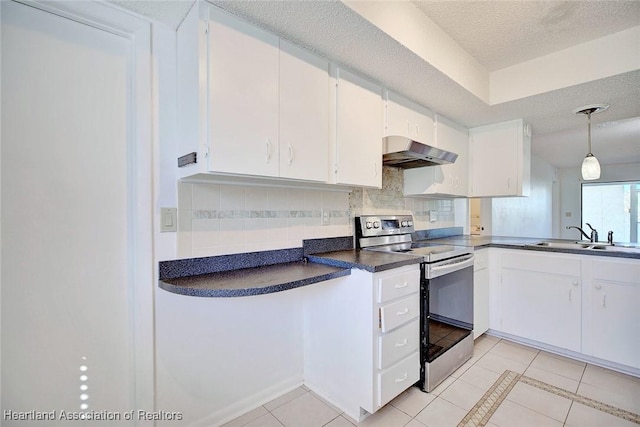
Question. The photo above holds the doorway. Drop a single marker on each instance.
(76, 283)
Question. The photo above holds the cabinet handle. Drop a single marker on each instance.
(268, 150)
(604, 299)
(575, 283)
(570, 294)
(403, 378)
(417, 129)
(400, 286)
(290, 154)
(375, 169)
(402, 312)
(403, 343)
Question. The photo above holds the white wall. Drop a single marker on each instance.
(527, 216)
(220, 357)
(571, 192)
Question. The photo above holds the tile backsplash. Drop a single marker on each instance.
(390, 200)
(216, 219)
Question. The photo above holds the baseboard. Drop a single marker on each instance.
(249, 403)
(567, 353)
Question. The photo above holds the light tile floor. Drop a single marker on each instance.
(448, 404)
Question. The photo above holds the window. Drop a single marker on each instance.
(613, 206)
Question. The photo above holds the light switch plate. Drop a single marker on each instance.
(168, 219)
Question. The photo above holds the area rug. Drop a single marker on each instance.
(480, 414)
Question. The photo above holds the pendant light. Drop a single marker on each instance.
(590, 164)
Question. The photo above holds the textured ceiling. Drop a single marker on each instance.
(498, 34)
(503, 33)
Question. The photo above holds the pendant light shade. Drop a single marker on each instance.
(590, 164)
(590, 168)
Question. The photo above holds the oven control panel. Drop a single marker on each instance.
(383, 225)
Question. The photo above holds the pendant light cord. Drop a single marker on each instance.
(589, 117)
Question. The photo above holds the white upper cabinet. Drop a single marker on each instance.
(444, 180)
(406, 118)
(304, 114)
(358, 131)
(243, 97)
(250, 103)
(500, 159)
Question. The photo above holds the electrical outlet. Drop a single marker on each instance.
(325, 217)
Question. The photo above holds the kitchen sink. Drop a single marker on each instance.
(587, 246)
(610, 248)
(563, 245)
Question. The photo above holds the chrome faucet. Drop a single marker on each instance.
(593, 238)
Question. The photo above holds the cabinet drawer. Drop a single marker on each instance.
(395, 286)
(399, 312)
(398, 378)
(398, 344)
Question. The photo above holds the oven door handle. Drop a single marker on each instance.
(450, 266)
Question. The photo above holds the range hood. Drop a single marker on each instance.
(405, 153)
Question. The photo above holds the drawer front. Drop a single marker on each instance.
(398, 378)
(399, 312)
(398, 344)
(391, 287)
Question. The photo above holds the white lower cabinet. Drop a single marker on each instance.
(542, 299)
(581, 303)
(362, 337)
(612, 311)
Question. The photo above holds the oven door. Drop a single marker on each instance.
(446, 326)
(450, 298)
(447, 266)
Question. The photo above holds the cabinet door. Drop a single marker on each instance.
(611, 313)
(499, 156)
(243, 97)
(398, 116)
(449, 180)
(304, 114)
(542, 307)
(452, 138)
(407, 118)
(359, 131)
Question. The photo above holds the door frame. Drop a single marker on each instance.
(141, 273)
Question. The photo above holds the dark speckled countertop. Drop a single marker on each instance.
(253, 281)
(366, 260)
(318, 260)
(526, 243)
(266, 272)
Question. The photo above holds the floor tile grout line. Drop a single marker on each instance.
(587, 401)
(566, 418)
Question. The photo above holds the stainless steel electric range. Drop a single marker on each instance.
(446, 292)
